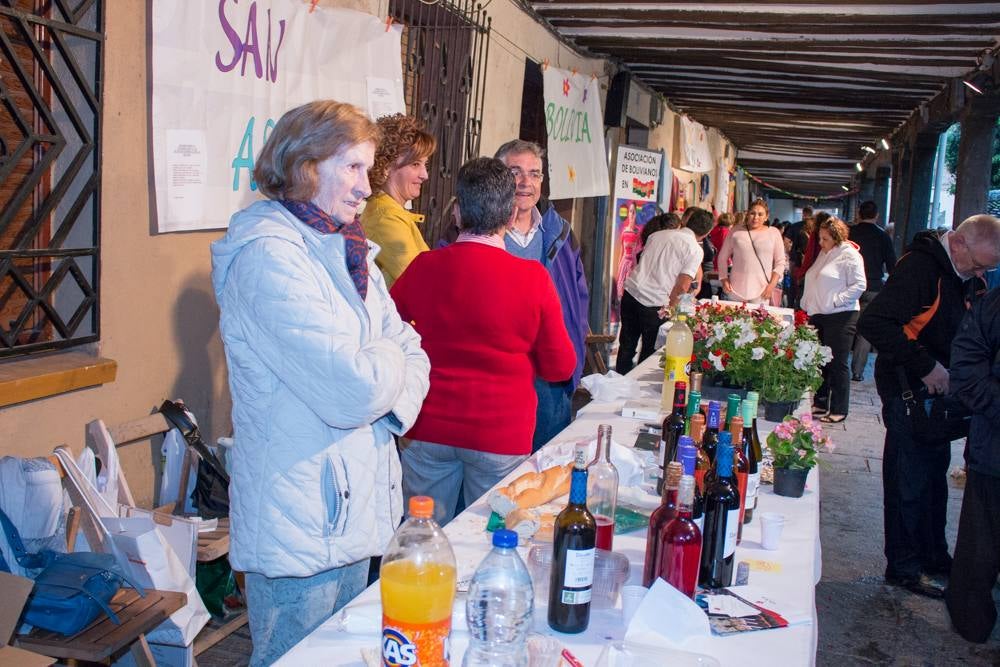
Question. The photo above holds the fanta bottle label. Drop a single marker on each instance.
(423, 644)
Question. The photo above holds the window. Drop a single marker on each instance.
(444, 70)
(50, 173)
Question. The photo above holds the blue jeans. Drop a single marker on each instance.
(283, 610)
(915, 489)
(439, 471)
(553, 412)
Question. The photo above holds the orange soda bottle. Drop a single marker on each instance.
(417, 581)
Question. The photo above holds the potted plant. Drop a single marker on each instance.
(794, 444)
(749, 347)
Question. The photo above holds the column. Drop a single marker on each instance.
(975, 152)
(880, 194)
(922, 168)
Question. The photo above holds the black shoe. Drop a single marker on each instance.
(930, 587)
(857, 378)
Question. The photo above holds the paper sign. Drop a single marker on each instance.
(578, 163)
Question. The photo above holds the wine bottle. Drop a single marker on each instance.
(693, 406)
(753, 461)
(722, 511)
(673, 428)
(703, 464)
(710, 440)
(758, 453)
(732, 408)
(741, 470)
(573, 550)
(689, 457)
(660, 517)
(680, 544)
(602, 488)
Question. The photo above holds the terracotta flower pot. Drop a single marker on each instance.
(790, 482)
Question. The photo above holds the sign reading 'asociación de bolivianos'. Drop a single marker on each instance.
(578, 163)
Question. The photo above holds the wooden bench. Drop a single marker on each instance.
(102, 639)
(211, 544)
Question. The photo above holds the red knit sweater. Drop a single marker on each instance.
(490, 322)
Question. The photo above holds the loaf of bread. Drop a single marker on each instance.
(531, 490)
(530, 522)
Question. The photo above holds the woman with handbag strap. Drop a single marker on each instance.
(831, 292)
(758, 258)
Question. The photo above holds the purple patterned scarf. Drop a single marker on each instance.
(355, 244)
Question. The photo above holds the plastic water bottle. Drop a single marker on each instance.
(499, 607)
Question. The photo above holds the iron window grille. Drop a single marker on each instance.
(445, 46)
(51, 64)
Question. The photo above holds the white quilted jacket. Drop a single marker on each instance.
(319, 380)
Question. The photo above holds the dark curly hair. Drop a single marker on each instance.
(404, 140)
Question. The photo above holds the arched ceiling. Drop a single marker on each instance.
(798, 87)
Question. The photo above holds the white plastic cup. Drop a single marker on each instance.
(631, 598)
(771, 524)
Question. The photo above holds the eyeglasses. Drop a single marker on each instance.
(533, 175)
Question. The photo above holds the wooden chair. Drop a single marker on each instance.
(211, 545)
(596, 352)
(103, 640)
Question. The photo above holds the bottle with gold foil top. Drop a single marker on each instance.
(702, 462)
(680, 345)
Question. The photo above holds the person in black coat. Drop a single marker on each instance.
(975, 380)
(912, 322)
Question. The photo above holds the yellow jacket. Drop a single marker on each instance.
(395, 230)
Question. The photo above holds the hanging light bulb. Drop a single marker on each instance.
(845, 188)
(972, 87)
(857, 165)
(868, 149)
(884, 144)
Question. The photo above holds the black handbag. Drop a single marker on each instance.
(71, 590)
(211, 490)
(933, 419)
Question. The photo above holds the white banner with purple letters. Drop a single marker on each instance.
(223, 72)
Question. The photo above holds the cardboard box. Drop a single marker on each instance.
(14, 592)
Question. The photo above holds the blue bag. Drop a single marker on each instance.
(71, 590)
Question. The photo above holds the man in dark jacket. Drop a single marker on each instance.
(548, 239)
(912, 322)
(879, 256)
(975, 380)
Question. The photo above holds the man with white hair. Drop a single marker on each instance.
(912, 322)
(547, 238)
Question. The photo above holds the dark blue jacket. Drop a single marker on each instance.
(975, 379)
(561, 256)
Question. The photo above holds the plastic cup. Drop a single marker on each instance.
(631, 598)
(771, 524)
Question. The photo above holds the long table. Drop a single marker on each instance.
(788, 574)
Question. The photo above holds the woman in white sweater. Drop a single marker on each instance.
(758, 255)
(833, 285)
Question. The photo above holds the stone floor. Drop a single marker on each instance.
(861, 620)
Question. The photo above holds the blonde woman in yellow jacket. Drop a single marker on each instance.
(396, 177)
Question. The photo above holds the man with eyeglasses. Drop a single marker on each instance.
(547, 238)
(912, 322)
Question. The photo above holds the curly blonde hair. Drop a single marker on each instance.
(404, 140)
(834, 226)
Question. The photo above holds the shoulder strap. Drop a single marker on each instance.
(767, 276)
(23, 558)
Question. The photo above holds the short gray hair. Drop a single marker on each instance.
(981, 229)
(485, 193)
(516, 146)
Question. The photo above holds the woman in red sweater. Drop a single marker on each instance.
(490, 322)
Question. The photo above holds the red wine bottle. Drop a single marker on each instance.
(710, 441)
(660, 517)
(753, 459)
(680, 544)
(741, 470)
(758, 453)
(722, 513)
(573, 552)
(689, 457)
(673, 428)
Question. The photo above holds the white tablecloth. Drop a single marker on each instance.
(789, 575)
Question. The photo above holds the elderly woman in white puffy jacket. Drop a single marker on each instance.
(322, 373)
(833, 286)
